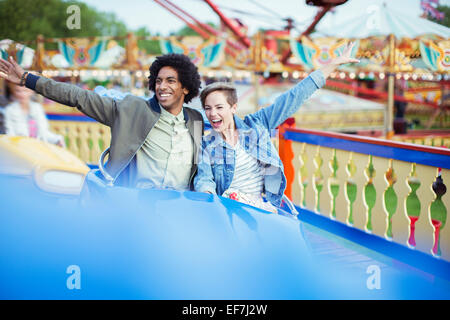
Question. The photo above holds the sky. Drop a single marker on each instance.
(267, 15)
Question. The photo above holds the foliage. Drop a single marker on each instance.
(446, 21)
(24, 20)
(187, 31)
(150, 46)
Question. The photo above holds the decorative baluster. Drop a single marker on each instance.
(350, 187)
(83, 138)
(105, 137)
(341, 176)
(438, 211)
(95, 136)
(326, 198)
(60, 127)
(297, 187)
(428, 141)
(438, 142)
(333, 183)
(446, 142)
(55, 126)
(444, 232)
(73, 138)
(66, 132)
(318, 179)
(359, 179)
(310, 195)
(424, 230)
(379, 217)
(390, 201)
(400, 219)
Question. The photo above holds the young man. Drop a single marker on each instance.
(153, 143)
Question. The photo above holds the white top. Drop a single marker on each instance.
(165, 159)
(17, 122)
(248, 173)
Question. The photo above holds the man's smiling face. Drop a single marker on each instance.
(169, 90)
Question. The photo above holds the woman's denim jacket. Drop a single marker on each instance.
(217, 158)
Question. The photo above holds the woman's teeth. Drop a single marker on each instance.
(216, 123)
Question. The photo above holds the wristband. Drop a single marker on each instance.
(22, 79)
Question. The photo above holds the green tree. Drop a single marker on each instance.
(187, 31)
(150, 46)
(446, 11)
(23, 20)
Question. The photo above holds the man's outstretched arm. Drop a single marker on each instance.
(102, 109)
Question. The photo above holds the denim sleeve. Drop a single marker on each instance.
(289, 102)
(204, 180)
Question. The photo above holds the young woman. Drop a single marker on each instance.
(238, 159)
(24, 117)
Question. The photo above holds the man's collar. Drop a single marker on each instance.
(155, 106)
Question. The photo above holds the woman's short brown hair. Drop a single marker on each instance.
(228, 89)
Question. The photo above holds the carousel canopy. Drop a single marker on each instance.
(383, 20)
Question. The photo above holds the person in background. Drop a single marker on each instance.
(25, 117)
(3, 103)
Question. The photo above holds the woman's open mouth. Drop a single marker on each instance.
(216, 123)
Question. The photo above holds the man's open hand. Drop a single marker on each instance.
(10, 70)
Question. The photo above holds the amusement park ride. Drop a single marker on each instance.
(363, 218)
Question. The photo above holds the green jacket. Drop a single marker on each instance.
(130, 120)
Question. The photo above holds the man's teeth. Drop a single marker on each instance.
(216, 121)
(165, 94)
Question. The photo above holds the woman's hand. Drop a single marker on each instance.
(11, 71)
(344, 58)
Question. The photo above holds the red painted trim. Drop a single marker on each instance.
(426, 133)
(242, 37)
(286, 156)
(379, 94)
(202, 33)
(382, 142)
(71, 114)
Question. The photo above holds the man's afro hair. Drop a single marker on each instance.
(187, 73)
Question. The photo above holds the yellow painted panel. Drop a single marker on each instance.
(95, 151)
(83, 135)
